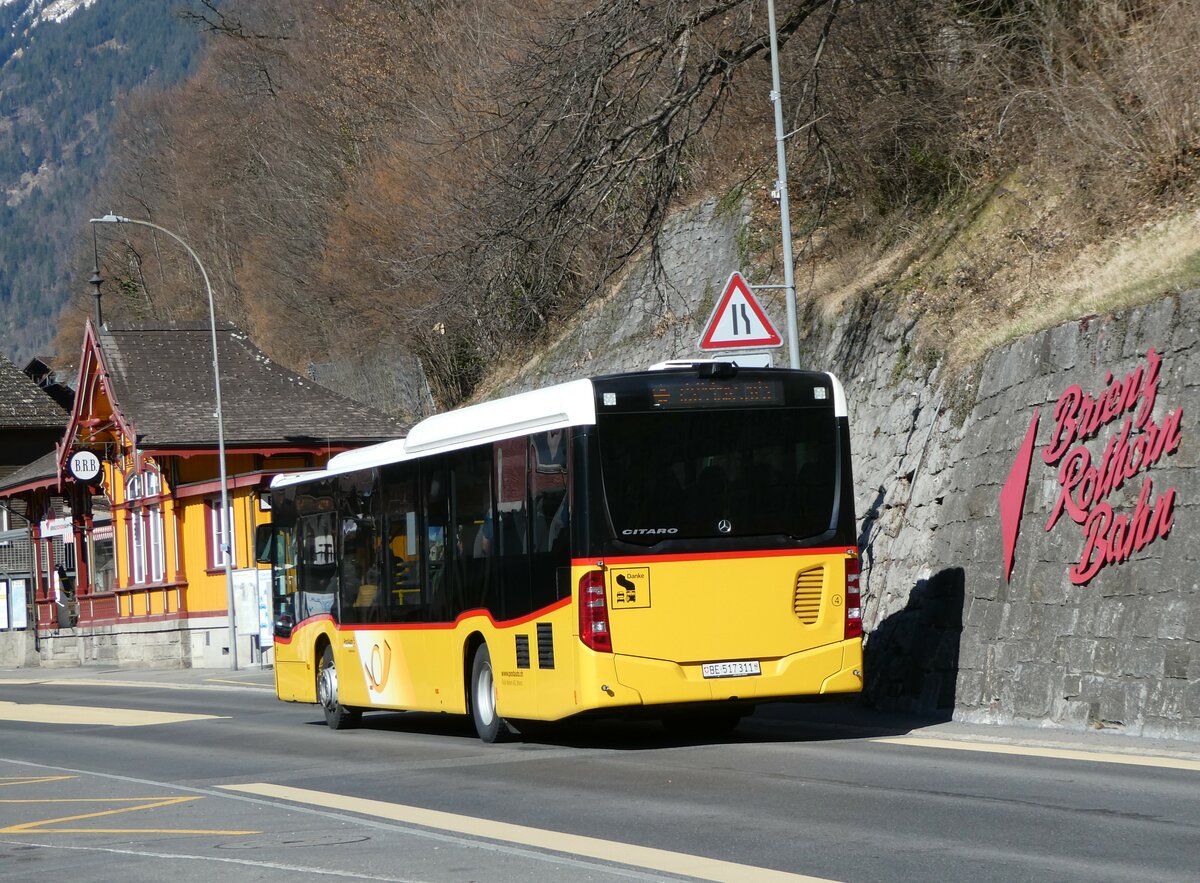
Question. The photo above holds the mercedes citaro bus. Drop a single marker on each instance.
(678, 542)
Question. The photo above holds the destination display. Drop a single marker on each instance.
(715, 394)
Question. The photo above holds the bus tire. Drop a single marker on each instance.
(337, 716)
(488, 723)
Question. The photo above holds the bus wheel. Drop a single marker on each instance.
(338, 716)
(488, 724)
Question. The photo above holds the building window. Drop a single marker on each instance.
(103, 566)
(216, 535)
(147, 553)
(137, 547)
(157, 553)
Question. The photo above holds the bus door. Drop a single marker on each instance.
(463, 583)
(316, 546)
(402, 682)
(277, 547)
(361, 649)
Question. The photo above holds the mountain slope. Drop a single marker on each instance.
(65, 66)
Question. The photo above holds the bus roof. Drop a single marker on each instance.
(555, 407)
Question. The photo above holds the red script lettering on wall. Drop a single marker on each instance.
(1134, 445)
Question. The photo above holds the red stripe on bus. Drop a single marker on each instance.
(304, 623)
(465, 614)
(714, 556)
(416, 626)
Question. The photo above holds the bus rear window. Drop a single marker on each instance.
(719, 473)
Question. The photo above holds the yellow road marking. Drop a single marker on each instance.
(84, 715)
(1170, 763)
(31, 780)
(572, 844)
(43, 826)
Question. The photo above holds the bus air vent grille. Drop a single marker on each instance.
(522, 651)
(806, 602)
(545, 645)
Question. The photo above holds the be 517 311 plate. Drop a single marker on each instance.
(742, 669)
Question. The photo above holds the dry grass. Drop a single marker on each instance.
(1025, 255)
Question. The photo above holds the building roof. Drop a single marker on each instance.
(42, 472)
(24, 404)
(162, 379)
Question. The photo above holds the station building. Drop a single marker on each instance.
(123, 512)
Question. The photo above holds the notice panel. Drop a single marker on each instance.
(18, 600)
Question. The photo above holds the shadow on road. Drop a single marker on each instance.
(774, 722)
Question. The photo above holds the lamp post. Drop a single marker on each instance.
(785, 213)
(226, 527)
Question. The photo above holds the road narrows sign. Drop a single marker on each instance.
(738, 320)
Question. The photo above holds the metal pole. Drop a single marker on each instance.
(785, 217)
(226, 527)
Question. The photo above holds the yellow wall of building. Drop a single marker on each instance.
(189, 581)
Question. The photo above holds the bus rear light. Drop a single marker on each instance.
(854, 627)
(593, 612)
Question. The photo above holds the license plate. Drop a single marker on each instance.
(731, 669)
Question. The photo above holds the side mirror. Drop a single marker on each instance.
(264, 544)
(284, 625)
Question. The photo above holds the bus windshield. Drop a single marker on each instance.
(732, 472)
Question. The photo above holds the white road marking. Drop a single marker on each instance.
(85, 716)
(275, 866)
(679, 863)
(206, 684)
(1161, 761)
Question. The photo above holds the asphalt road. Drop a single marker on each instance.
(190, 776)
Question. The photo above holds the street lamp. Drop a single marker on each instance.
(785, 213)
(226, 527)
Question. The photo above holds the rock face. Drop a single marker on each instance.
(1027, 534)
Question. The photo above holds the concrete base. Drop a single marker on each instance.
(17, 649)
(191, 643)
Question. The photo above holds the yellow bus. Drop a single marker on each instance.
(678, 542)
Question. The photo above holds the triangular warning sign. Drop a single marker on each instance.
(738, 321)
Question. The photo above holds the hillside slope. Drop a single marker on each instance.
(462, 178)
(65, 69)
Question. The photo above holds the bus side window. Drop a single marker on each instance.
(404, 600)
(550, 515)
(362, 599)
(318, 563)
(283, 571)
(512, 537)
(473, 528)
(439, 587)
